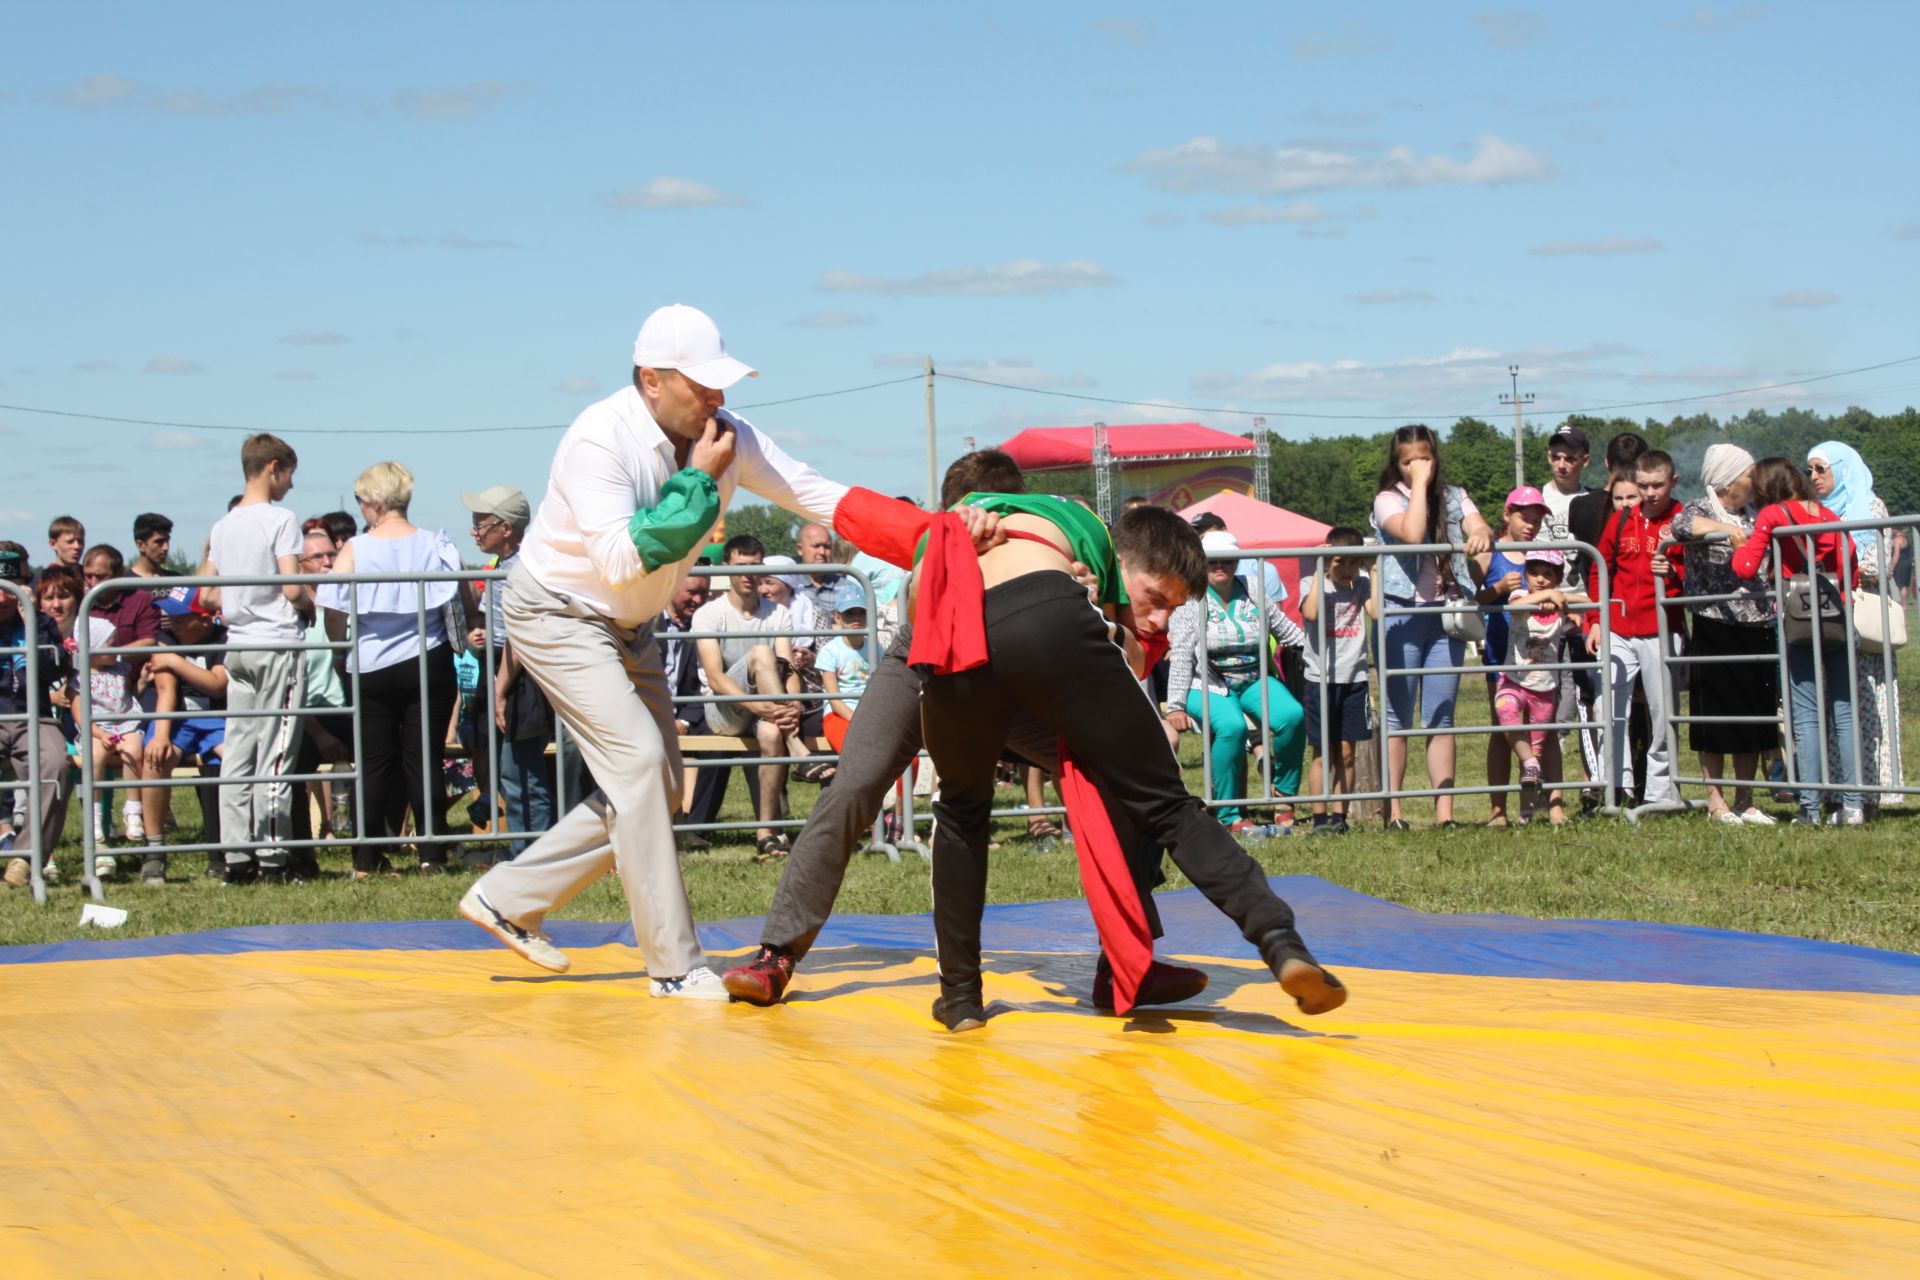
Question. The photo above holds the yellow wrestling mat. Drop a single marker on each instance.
(447, 1113)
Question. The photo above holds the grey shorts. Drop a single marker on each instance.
(733, 718)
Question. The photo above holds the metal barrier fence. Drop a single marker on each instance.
(1610, 726)
(1885, 608)
(1384, 672)
(431, 745)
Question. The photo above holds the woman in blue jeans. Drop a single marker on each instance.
(1416, 505)
(1229, 685)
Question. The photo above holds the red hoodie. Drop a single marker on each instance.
(1627, 545)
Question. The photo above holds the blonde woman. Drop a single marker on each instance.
(386, 658)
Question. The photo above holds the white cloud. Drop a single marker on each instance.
(1161, 221)
(16, 515)
(1208, 164)
(445, 240)
(1463, 377)
(669, 193)
(579, 386)
(1016, 371)
(95, 366)
(1263, 215)
(1021, 276)
(1126, 31)
(174, 442)
(833, 320)
(1905, 230)
(1705, 21)
(458, 102)
(1389, 297)
(315, 338)
(108, 90)
(402, 333)
(1804, 299)
(295, 375)
(173, 364)
(1606, 246)
(1353, 40)
(1512, 29)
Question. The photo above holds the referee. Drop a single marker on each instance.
(637, 481)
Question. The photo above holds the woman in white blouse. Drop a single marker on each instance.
(389, 644)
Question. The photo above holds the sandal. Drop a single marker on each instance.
(1043, 829)
(772, 848)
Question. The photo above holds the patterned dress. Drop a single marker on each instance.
(1878, 706)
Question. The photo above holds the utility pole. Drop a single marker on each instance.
(1261, 485)
(933, 452)
(1519, 428)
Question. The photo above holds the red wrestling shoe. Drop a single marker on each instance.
(1164, 984)
(762, 981)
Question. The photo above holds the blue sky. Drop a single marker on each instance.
(418, 217)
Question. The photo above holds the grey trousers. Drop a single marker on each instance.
(608, 687)
(15, 738)
(260, 813)
(882, 737)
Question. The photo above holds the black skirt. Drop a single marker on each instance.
(1734, 688)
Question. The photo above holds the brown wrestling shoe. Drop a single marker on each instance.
(1314, 990)
(761, 981)
(1164, 984)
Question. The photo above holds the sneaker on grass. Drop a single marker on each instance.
(532, 945)
(702, 984)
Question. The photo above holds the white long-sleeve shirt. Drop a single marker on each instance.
(611, 463)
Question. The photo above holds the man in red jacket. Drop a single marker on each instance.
(1630, 547)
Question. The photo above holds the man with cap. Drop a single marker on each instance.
(522, 720)
(636, 484)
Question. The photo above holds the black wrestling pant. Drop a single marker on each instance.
(1049, 656)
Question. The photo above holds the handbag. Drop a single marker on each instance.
(529, 715)
(1813, 609)
(1868, 619)
(1463, 621)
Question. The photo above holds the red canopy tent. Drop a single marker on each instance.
(1170, 463)
(1071, 448)
(1254, 523)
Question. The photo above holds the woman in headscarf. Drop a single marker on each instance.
(1843, 484)
(1742, 626)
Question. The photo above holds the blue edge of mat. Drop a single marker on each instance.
(1343, 927)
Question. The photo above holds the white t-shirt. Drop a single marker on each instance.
(720, 615)
(248, 542)
(109, 687)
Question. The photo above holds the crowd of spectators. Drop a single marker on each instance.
(278, 684)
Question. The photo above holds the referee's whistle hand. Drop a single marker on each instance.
(713, 451)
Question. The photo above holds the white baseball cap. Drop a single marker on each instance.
(686, 338)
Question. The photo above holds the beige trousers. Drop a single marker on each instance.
(607, 684)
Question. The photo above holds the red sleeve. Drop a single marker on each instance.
(1748, 559)
(885, 528)
(1608, 544)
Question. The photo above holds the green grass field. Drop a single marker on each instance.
(1845, 885)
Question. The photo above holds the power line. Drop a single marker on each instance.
(409, 431)
(1411, 415)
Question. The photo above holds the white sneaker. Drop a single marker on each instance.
(533, 946)
(105, 865)
(1755, 818)
(1853, 818)
(702, 984)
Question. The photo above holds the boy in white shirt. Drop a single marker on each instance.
(257, 539)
